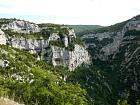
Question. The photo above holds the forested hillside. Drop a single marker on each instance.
(32, 82)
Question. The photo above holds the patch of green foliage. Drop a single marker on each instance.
(57, 43)
(77, 40)
(125, 102)
(70, 47)
(5, 20)
(72, 43)
(49, 25)
(53, 28)
(38, 35)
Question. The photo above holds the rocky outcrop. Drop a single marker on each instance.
(35, 45)
(71, 33)
(2, 38)
(21, 26)
(54, 37)
(78, 56)
(70, 59)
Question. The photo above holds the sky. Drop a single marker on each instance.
(83, 12)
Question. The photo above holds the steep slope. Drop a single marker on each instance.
(25, 79)
(116, 51)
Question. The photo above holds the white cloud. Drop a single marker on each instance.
(103, 12)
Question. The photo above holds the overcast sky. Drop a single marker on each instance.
(93, 12)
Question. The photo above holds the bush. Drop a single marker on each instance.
(57, 43)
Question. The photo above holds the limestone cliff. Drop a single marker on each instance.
(59, 47)
(21, 26)
(33, 45)
(71, 59)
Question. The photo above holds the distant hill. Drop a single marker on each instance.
(93, 29)
(83, 28)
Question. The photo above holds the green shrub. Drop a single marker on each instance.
(57, 43)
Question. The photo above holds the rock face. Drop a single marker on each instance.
(106, 44)
(2, 38)
(21, 26)
(70, 59)
(35, 45)
(71, 33)
(54, 37)
(48, 49)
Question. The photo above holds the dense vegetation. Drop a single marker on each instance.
(54, 28)
(35, 82)
(57, 43)
(94, 80)
(102, 85)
